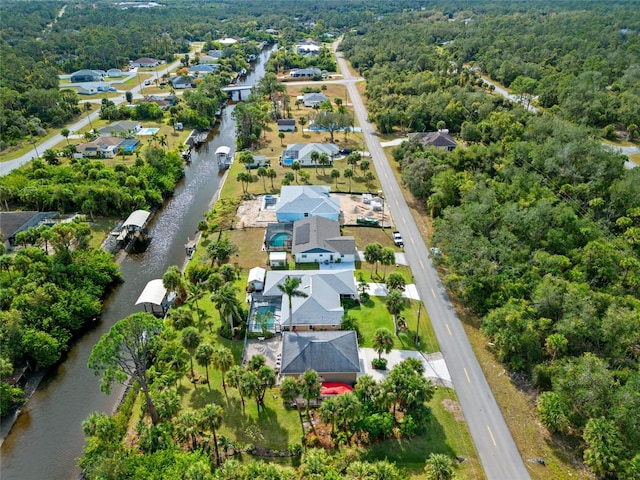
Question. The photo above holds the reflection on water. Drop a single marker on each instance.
(47, 439)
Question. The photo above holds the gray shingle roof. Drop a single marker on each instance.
(324, 352)
(303, 199)
(320, 232)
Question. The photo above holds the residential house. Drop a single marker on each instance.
(202, 59)
(91, 88)
(321, 309)
(101, 147)
(317, 239)
(298, 202)
(301, 153)
(308, 50)
(305, 73)
(216, 54)
(228, 41)
(116, 129)
(334, 355)
(12, 223)
(145, 62)
(440, 139)
(313, 99)
(181, 82)
(287, 125)
(86, 76)
(203, 69)
(115, 73)
(272, 31)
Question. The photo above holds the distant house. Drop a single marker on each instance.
(313, 99)
(115, 73)
(163, 102)
(272, 31)
(440, 140)
(334, 355)
(82, 76)
(101, 147)
(305, 73)
(203, 69)
(91, 88)
(145, 62)
(12, 223)
(317, 239)
(228, 41)
(207, 59)
(298, 202)
(216, 53)
(117, 129)
(301, 153)
(181, 82)
(308, 47)
(321, 309)
(287, 125)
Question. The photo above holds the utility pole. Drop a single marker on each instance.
(418, 325)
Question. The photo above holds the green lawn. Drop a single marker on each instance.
(445, 434)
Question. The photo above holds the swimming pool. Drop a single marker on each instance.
(287, 162)
(262, 316)
(280, 239)
(148, 131)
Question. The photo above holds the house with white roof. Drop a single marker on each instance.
(298, 202)
(301, 153)
(312, 99)
(321, 309)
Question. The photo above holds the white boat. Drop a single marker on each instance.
(224, 157)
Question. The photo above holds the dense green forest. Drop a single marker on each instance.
(537, 222)
(49, 289)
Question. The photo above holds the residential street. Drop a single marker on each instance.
(497, 451)
(8, 166)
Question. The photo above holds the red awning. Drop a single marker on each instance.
(334, 388)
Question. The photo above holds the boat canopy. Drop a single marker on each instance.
(223, 150)
(153, 293)
(137, 219)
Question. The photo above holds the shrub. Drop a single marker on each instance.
(379, 363)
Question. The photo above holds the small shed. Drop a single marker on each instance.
(155, 298)
(278, 259)
(286, 125)
(256, 278)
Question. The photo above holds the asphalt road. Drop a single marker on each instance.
(497, 450)
(9, 165)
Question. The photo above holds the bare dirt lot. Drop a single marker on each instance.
(252, 213)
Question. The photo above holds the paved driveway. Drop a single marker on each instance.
(435, 368)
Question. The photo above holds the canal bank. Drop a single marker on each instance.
(46, 439)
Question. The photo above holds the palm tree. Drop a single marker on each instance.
(223, 361)
(87, 109)
(352, 159)
(348, 173)
(315, 157)
(173, 281)
(395, 304)
(204, 355)
(267, 376)
(234, 378)
(226, 301)
(364, 166)
(281, 137)
(323, 161)
(335, 174)
(181, 318)
(272, 174)
(372, 254)
(295, 166)
(382, 341)
(387, 257)
(211, 417)
(65, 133)
(289, 390)
(310, 386)
(262, 173)
(190, 340)
(195, 291)
(439, 467)
(188, 428)
(369, 177)
(290, 288)
(251, 386)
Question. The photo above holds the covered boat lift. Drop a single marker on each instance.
(224, 157)
(155, 298)
(133, 227)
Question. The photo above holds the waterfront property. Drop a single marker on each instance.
(155, 298)
(302, 153)
(298, 202)
(318, 239)
(224, 157)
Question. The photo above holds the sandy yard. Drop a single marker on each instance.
(252, 213)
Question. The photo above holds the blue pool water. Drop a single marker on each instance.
(287, 162)
(279, 239)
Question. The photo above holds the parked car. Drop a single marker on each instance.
(345, 151)
(397, 239)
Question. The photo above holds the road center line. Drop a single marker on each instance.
(433, 293)
(491, 435)
(448, 329)
(421, 264)
(467, 374)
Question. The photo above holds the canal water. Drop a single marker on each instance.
(47, 438)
